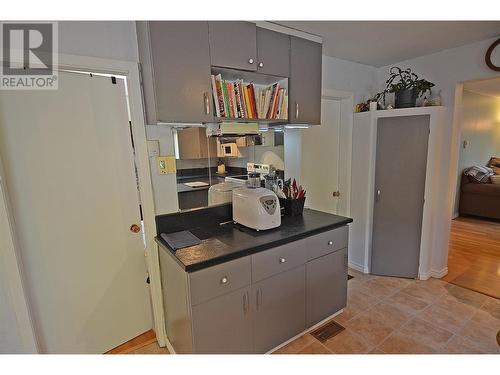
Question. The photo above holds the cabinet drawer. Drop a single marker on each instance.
(327, 242)
(218, 280)
(278, 259)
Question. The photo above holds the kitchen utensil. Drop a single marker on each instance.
(253, 181)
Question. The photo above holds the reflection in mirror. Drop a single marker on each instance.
(209, 168)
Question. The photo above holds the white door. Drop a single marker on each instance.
(69, 169)
(320, 159)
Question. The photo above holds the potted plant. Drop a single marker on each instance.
(406, 86)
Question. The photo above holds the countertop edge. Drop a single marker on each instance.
(249, 251)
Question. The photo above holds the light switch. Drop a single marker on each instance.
(154, 148)
(166, 164)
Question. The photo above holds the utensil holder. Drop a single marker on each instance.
(293, 207)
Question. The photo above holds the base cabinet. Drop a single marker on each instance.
(326, 285)
(279, 308)
(223, 324)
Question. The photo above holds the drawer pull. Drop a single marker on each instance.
(224, 280)
(330, 243)
(282, 260)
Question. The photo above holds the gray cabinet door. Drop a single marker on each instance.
(233, 44)
(326, 286)
(181, 71)
(279, 308)
(223, 324)
(401, 165)
(273, 53)
(305, 82)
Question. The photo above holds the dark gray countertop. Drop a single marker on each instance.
(221, 243)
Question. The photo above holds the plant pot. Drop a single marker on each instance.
(293, 207)
(405, 98)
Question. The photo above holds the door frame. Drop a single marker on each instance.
(130, 70)
(346, 99)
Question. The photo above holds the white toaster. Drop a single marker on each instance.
(256, 208)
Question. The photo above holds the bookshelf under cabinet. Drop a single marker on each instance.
(248, 96)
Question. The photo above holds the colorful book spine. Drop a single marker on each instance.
(247, 102)
(227, 112)
(220, 96)
(253, 105)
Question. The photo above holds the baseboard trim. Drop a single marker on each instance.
(169, 346)
(306, 331)
(437, 274)
(358, 267)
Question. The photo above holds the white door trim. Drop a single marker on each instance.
(346, 99)
(130, 69)
(11, 268)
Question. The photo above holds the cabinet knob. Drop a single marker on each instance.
(296, 110)
(250, 61)
(134, 228)
(330, 243)
(261, 65)
(224, 280)
(282, 260)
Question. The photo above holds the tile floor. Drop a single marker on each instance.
(391, 315)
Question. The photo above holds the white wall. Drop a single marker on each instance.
(104, 39)
(343, 75)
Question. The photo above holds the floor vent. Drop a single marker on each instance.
(327, 331)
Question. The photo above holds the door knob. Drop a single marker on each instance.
(134, 228)
(336, 193)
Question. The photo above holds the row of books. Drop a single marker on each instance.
(244, 100)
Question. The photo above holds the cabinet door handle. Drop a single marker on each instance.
(296, 110)
(377, 198)
(250, 61)
(259, 298)
(206, 103)
(261, 65)
(282, 260)
(330, 243)
(224, 280)
(245, 303)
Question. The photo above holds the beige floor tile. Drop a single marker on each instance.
(151, 349)
(347, 342)
(399, 343)
(467, 296)
(422, 291)
(492, 306)
(376, 351)
(407, 302)
(315, 348)
(389, 315)
(443, 318)
(482, 335)
(426, 333)
(456, 307)
(296, 345)
(378, 288)
(369, 328)
(486, 318)
(460, 345)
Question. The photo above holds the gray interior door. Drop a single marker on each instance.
(399, 195)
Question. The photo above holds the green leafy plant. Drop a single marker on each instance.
(400, 79)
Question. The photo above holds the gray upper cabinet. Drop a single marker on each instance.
(326, 286)
(233, 44)
(305, 82)
(273, 53)
(279, 308)
(175, 61)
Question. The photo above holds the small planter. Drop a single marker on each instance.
(293, 207)
(406, 98)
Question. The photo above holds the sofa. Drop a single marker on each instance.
(479, 199)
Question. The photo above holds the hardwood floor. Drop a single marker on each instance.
(146, 339)
(474, 255)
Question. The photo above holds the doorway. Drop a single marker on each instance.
(325, 156)
(71, 177)
(474, 250)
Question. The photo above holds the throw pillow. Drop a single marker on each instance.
(494, 164)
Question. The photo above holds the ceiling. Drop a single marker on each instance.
(486, 87)
(380, 43)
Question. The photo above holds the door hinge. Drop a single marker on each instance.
(140, 73)
(148, 281)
